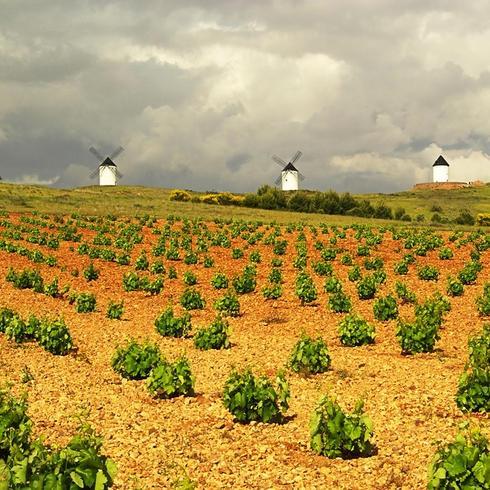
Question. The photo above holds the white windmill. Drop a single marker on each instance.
(107, 170)
(440, 170)
(290, 177)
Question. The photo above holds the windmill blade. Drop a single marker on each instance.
(297, 156)
(116, 152)
(94, 174)
(279, 161)
(301, 176)
(119, 175)
(278, 180)
(96, 154)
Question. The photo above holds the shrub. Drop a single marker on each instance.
(272, 291)
(479, 349)
(18, 330)
(417, 336)
(236, 253)
(280, 247)
(355, 331)
(52, 289)
(404, 293)
(366, 287)
(465, 218)
(115, 310)
(473, 393)
(26, 279)
(250, 398)
(329, 254)
(428, 273)
(483, 301)
(275, 276)
(15, 424)
(85, 303)
(142, 263)
(55, 337)
(332, 285)
(346, 259)
(135, 361)
(255, 257)
(385, 308)
(172, 253)
(208, 262)
(469, 273)
(474, 385)
(432, 311)
(401, 268)
(379, 276)
(445, 253)
(335, 434)
(180, 195)
(189, 278)
(123, 259)
(454, 287)
(191, 299)
(373, 264)
(216, 336)
(322, 268)
(152, 287)
(169, 325)
(309, 356)
(354, 274)
(245, 283)
(305, 288)
(91, 273)
(191, 258)
(131, 281)
(228, 305)
(363, 251)
(339, 302)
(168, 380)
(463, 463)
(6, 314)
(219, 281)
(276, 262)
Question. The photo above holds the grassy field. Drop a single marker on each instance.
(475, 199)
(130, 201)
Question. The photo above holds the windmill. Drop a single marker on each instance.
(289, 176)
(107, 170)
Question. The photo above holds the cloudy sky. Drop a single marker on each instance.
(202, 93)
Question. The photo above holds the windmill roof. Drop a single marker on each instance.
(440, 161)
(107, 163)
(290, 167)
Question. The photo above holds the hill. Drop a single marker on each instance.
(136, 200)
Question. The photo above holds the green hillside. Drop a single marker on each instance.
(134, 200)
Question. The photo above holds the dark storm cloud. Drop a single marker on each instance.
(201, 94)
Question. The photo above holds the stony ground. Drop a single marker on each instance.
(155, 442)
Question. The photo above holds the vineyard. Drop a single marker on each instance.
(180, 353)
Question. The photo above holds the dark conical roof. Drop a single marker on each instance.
(290, 167)
(441, 161)
(107, 163)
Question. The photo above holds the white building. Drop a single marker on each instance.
(108, 172)
(440, 170)
(289, 178)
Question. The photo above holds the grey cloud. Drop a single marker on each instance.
(202, 94)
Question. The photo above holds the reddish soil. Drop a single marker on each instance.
(409, 398)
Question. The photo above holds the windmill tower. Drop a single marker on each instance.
(290, 177)
(107, 170)
(440, 170)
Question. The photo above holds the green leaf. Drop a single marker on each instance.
(77, 479)
(100, 480)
